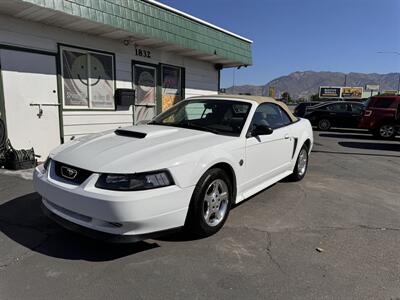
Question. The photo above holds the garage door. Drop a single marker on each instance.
(31, 102)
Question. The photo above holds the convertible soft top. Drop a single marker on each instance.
(258, 99)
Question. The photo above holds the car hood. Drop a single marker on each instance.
(136, 148)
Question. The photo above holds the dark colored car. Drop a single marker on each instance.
(343, 114)
(301, 108)
(382, 116)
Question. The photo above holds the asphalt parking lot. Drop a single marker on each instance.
(348, 207)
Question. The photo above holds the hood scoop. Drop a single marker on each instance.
(129, 133)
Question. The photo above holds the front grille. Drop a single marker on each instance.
(70, 173)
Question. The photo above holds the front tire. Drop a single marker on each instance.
(210, 204)
(300, 169)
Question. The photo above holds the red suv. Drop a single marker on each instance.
(382, 116)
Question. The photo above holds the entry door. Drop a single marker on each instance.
(30, 80)
(145, 84)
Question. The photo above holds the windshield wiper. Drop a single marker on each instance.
(197, 127)
(186, 125)
(155, 123)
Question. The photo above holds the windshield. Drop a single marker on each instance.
(216, 116)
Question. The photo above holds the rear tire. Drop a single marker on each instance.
(386, 131)
(324, 124)
(210, 204)
(300, 169)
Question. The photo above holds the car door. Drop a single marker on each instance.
(268, 156)
(338, 114)
(356, 110)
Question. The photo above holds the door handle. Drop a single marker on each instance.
(287, 136)
(40, 105)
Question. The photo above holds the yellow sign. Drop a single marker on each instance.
(352, 92)
(271, 92)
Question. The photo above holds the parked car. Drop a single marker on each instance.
(301, 108)
(381, 116)
(184, 168)
(343, 114)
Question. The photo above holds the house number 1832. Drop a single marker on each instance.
(143, 53)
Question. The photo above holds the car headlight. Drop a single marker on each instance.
(46, 163)
(135, 182)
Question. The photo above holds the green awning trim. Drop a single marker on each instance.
(152, 21)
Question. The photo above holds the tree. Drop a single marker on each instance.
(314, 97)
(286, 96)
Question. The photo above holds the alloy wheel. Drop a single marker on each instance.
(386, 131)
(302, 163)
(324, 124)
(215, 203)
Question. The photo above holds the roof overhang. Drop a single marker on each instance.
(143, 23)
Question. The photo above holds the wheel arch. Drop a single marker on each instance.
(385, 121)
(307, 142)
(231, 174)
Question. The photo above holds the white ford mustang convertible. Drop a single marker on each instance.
(185, 168)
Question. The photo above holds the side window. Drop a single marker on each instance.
(356, 108)
(195, 111)
(337, 107)
(383, 103)
(271, 115)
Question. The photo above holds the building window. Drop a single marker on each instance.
(87, 79)
(171, 86)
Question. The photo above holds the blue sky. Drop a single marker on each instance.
(300, 35)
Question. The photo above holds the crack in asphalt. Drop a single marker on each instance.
(322, 228)
(269, 252)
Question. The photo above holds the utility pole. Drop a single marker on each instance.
(233, 80)
(345, 79)
(395, 53)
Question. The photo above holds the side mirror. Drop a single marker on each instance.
(261, 130)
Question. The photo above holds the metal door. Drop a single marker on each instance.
(31, 101)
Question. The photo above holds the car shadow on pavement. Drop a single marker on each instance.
(183, 236)
(23, 221)
(352, 136)
(346, 130)
(371, 146)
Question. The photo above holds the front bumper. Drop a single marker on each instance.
(135, 213)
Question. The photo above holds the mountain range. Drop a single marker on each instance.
(304, 84)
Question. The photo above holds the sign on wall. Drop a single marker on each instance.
(329, 92)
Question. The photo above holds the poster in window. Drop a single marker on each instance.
(171, 86)
(75, 74)
(101, 81)
(144, 113)
(145, 82)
